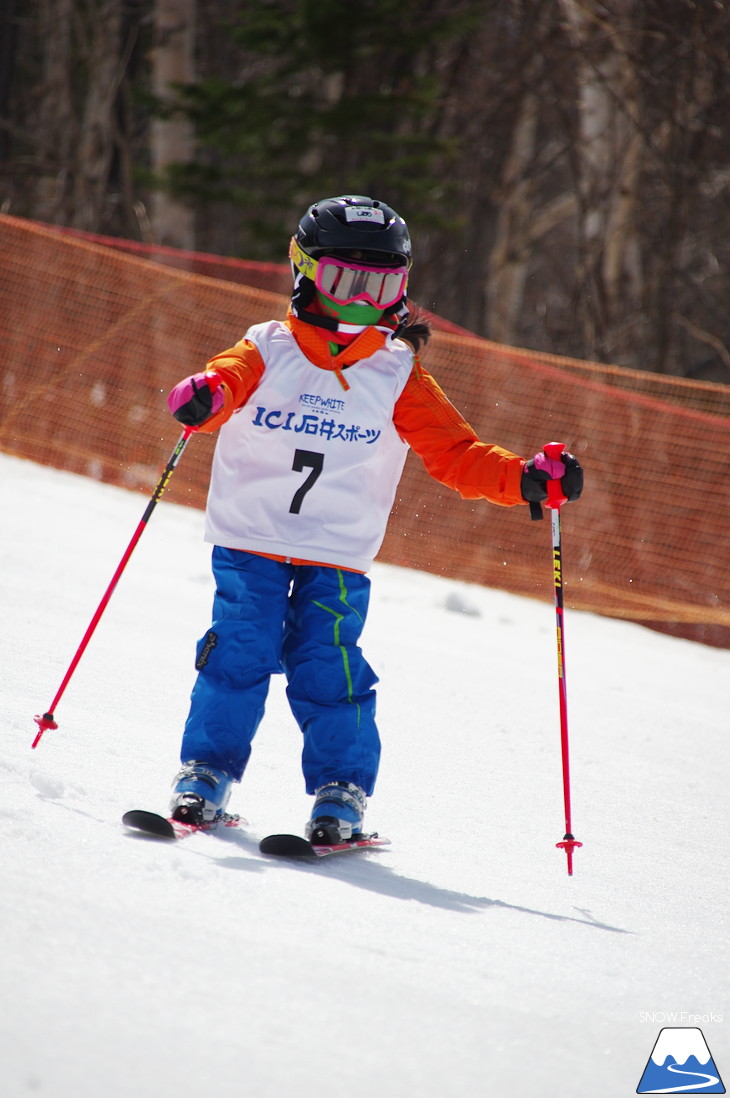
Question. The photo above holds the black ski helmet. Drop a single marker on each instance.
(353, 221)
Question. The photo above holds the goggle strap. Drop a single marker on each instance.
(307, 264)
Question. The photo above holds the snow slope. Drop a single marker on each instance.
(461, 961)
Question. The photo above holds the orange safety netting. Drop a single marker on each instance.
(93, 338)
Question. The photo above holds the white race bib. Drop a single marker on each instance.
(306, 468)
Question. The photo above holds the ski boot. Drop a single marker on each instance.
(337, 813)
(199, 793)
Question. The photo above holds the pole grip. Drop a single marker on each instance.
(555, 498)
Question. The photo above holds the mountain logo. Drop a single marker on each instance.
(680, 1063)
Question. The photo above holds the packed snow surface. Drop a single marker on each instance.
(460, 961)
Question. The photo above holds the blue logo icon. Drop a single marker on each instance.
(680, 1063)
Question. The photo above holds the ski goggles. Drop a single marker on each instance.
(346, 282)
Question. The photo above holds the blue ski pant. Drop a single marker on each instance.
(306, 621)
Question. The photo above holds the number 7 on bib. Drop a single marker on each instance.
(305, 459)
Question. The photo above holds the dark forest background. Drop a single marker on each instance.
(564, 165)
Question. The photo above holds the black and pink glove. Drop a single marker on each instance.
(196, 399)
(540, 469)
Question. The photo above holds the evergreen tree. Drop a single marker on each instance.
(326, 100)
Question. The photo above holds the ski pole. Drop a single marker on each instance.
(47, 720)
(554, 502)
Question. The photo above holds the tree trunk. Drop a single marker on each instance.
(608, 151)
(57, 126)
(98, 132)
(172, 138)
(508, 259)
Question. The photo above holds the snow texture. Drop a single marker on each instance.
(460, 961)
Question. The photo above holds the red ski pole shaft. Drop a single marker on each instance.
(47, 720)
(554, 502)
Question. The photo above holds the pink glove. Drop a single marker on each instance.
(555, 469)
(196, 399)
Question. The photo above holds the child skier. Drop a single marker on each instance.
(316, 414)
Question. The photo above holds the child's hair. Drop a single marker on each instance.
(417, 330)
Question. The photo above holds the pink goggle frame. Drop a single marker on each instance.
(346, 283)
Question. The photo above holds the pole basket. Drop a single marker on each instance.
(568, 845)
